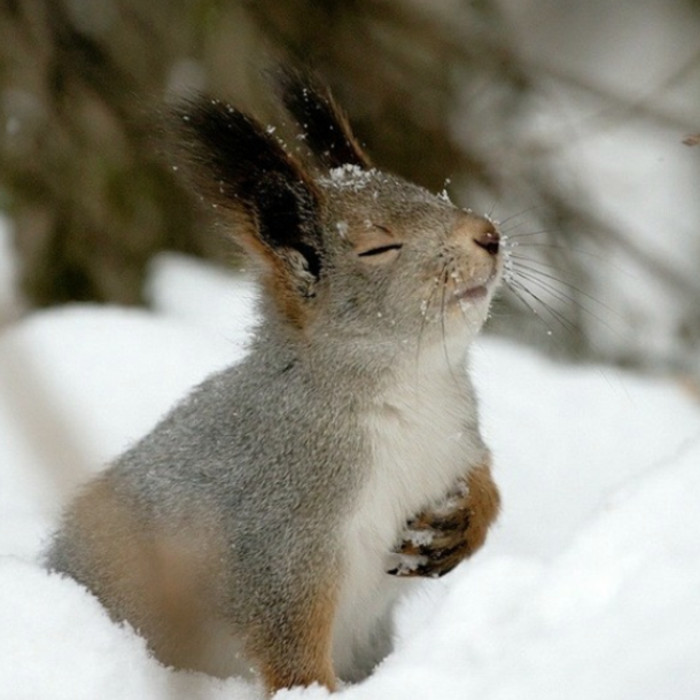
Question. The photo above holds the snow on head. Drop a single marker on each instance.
(342, 228)
(350, 177)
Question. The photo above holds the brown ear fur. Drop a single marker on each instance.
(325, 127)
(238, 167)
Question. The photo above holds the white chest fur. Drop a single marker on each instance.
(424, 437)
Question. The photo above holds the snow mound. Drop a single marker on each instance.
(589, 586)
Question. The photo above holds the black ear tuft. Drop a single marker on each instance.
(325, 127)
(235, 164)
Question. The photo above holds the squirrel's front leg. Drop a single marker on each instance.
(438, 539)
(291, 641)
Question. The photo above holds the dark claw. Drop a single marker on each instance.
(447, 569)
(440, 562)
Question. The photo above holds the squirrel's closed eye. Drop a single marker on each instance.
(381, 249)
(376, 244)
(382, 254)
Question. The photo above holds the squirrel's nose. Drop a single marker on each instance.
(480, 230)
(487, 237)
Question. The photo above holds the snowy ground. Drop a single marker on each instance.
(588, 588)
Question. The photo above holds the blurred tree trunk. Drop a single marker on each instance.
(91, 200)
(436, 90)
(81, 81)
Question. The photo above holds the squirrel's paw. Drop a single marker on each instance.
(438, 539)
(435, 541)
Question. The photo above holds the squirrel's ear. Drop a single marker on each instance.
(325, 128)
(238, 167)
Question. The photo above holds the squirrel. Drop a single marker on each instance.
(270, 521)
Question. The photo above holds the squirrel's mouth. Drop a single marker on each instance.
(471, 293)
(475, 291)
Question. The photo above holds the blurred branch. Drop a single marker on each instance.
(620, 107)
(435, 90)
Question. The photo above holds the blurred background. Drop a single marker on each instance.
(573, 124)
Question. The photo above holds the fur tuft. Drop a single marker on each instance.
(234, 163)
(325, 127)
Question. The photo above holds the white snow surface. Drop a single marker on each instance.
(589, 586)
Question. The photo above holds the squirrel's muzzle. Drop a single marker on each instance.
(478, 229)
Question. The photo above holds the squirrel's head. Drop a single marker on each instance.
(345, 251)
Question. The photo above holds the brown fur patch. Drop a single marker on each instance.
(483, 503)
(274, 272)
(297, 650)
(157, 582)
(167, 584)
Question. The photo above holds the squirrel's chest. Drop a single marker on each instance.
(422, 436)
(421, 440)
